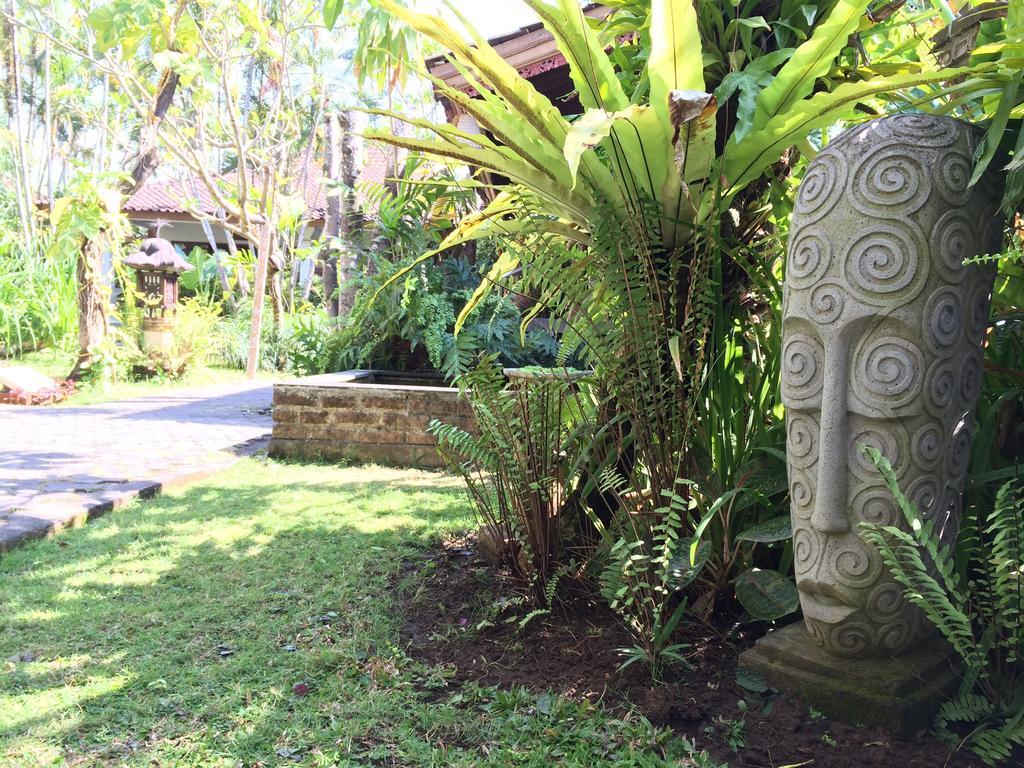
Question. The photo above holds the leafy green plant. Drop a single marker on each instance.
(231, 339)
(647, 568)
(111, 361)
(977, 607)
(732, 731)
(308, 350)
(998, 446)
(992, 94)
(38, 278)
(518, 465)
(661, 143)
(630, 223)
(410, 324)
(193, 342)
(739, 459)
(203, 280)
(37, 299)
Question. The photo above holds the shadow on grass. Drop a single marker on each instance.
(182, 626)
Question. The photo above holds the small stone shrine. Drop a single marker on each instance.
(157, 266)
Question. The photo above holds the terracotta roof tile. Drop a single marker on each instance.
(179, 196)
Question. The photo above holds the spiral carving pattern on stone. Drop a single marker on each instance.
(883, 264)
(802, 439)
(940, 386)
(821, 187)
(928, 446)
(894, 636)
(805, 549)
(954, 174)
(890, 441)
(887, 609)
(856, 563)
(925, 494)
(809, 258)
(889, 372)
(921, 130)
(890, 183)
(803, 361)
(958, 454)
(827, 302)
(885, 602)
(981, 299)
(801, 494)
(874, 504)
(944, 317)
(953, 239)
(851, 638)
(971, 377)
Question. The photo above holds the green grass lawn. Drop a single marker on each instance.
(57, 363)
(253, 621)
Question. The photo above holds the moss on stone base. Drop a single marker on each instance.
(900, 694)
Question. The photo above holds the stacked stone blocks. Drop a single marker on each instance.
(345, 418)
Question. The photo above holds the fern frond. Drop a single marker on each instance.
(1006, 556)
(901, 553)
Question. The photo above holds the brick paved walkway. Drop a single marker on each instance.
(60, 466)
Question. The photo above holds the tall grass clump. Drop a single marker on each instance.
(37, 300)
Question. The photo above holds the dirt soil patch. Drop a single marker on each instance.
(458, 613)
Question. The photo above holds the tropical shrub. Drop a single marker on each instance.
(521, 466)
(308, 349)
(114, 359)
(738, 450)
(992, 94)
(38, 279)
(634, 224)
(646, 568)
(231, 339)
(409, 325)
(975, 604)
(37, 300)
(193, 343)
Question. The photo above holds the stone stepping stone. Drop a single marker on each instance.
(23, 378)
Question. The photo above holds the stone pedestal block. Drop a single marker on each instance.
(899, 694)
(157, 334)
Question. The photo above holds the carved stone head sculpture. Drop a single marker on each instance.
(882, 346)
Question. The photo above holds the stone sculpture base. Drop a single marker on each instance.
(900, 695)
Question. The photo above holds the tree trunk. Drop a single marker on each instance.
(332, 220)
(91, 292)
(93, 296)
(275, 270)
(351, 220)
(241, 279)
(259, 293)
(48, 120)
(13, 98)
(264, 255)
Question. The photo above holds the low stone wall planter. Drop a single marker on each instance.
(365, 416)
